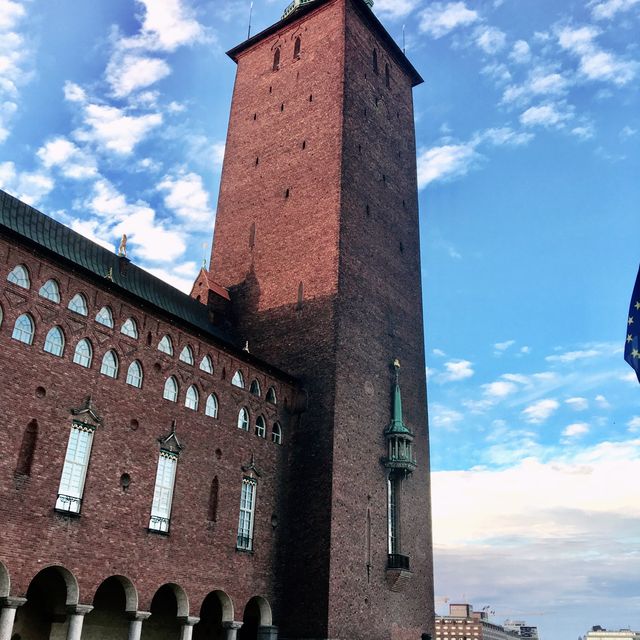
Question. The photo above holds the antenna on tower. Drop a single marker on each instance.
(404, 48)
(250, 13)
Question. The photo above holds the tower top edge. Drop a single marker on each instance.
(304, 8)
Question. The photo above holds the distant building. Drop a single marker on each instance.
(521, 629)
(463, 623)
(598, 633)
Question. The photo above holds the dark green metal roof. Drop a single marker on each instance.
(46, 233)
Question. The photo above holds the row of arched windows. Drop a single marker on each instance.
(50, 290)
(297, 45)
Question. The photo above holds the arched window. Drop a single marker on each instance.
(375, 61)
(109, 366)
(261, 427)
(78, 304)
(105, 317)
(54, 342)
(170, 389)
(276, 433)
(129, 328)
(271, 396)
(83, 353)
(387, 77)
(296, 48)
(134, 374)
(192, 397)
(27, 449)
(186, 355)
(254, 389)
(243, 419)
(166, 345)
(238, 379)
(20, 276)
(211, 408)
(213, 500)
(23, 329)
(276, 59)
(206, 364)
(50, 290)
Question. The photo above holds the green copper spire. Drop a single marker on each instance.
(397, 425)
(300, 3)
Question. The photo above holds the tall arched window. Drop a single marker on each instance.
(54, 342)
(211, 408)
(105, 317)
(134, 374)
(271, 396)
(129, 328)
(27, 449)
(238, 379)
(276, 59)
(78, 304)
(23, 329)
(50, 290)
(83, 353)
(186, 355)
(261, 427)
(192, 397)
(109, 366)
(375, 61)
(170, 389)
(296, 48)
(276, 433)
(166, 345)
(243, 419)
(20, 275)
(387, 77)
(254, 389)
(206, 364)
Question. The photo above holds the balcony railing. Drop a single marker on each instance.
(398, 561)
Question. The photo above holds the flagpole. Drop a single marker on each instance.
(250, 13)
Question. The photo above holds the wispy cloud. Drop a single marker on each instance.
(550, 115)
(540, 411)
(456, 370)
(610, 8)
(440, 18)
(490, 39)
(185, 194)
(577, 403)
(575, 430)
(29, 186)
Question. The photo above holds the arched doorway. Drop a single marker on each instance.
(114, 598)
(257, 613)
(44, 615)
(216, 609)
(169, 602)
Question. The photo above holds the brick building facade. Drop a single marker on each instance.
(159, 479)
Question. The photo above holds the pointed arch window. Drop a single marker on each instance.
(170, 389)
(24, 329)
(50, 290)
(271, 396)
(134, 374)
(54, 342)
(129, 328)
(211, 407)
(74, 471)
(375, 61)
(206, 365)
(20, 275)
(247, 514)
(254, 389)
(192, 398)
(261, 427)
(296, 48)
(105, 317)
(78, 304)
(109, 366)
(243, 419)
(166, 345)
(83, 353)
(238, 379)
(276, 433)
(186, 355)
(276, 59)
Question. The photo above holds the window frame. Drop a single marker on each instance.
(276, 433)
(129, 377)
(85, 306)
(237, 380)
(78, 358)
(18, 332)
(112, 368)
(166, 337)
(23, 280)
(214, 398)
(186, 355)
(132, 332)
(46, 295)
(160, 516)
(206, 358)
(246, 517)
(101, 320)
(58, 330)
(261, 427)
(176, 387)
(243, 419)
(192, 402)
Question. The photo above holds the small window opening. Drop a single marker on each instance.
(213, 500)
(384, 179)
(387, 78)
(296, 48)
(401, 248)
(311, 97)
(282, 107)
(404, 204)
(376, 101)
(252, 236)
(365, 112)
(270, 89)
(368, 211)
(276, 59)
(304, 144)
(375, 61)
(255, 116)
(359, 148)
(27, 449)
(300, 294)
(257, 161)
(286, 193)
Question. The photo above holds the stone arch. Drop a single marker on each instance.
(114, 600)
(71, 583)
(5, 580)
(169, 604)
(216, 609)
(130, 591)
(257, 613)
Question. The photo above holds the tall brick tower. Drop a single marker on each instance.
(317, 239)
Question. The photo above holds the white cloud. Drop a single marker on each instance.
(584, 131)
(498, 71)
(65, 155)
(609, 8)
(575, 430)
(94, 230)
(572, 356)
(439, 352)
(439, 18)
(545, 115)
(490, 39)
(540, 411)
(395, 8)
(30, 187)
(445, 162)
(634, 424)
(10, 14)
(73, 92)
(218, 154)
(595, 63)
(525, 349)
(441, 417)
(521, 52)
(577, 403)
(628, 132)
(128, 73)
(499, 389)
(602, 402)
(541, 82)
(503, 346)
(457, 370)
(506, 136)
(185, 194)
(174, 278)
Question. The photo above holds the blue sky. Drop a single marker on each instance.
(113, 118)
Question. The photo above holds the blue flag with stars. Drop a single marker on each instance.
(632, 344)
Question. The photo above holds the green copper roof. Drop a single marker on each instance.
(299, 3)
(397, 425)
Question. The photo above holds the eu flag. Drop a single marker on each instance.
(632, 344)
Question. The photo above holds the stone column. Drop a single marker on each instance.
(76, 614)
(9, 607)
(231, 630)
(267, 633)
(135, 625)
(187, 626)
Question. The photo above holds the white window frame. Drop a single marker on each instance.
(19, 333)
(243, 419)
(206, 364)
(74, 470)
(192, 398)
(105, 317)
(110, 369)
(276, 433)
(166, 345)
(78, 304)
(246, 518)
(392, 516)
(271, 396)
(160, 518)
(254, 388)
(186, 355)
(176, 388)
(135, 380)
(19, 276)
(129, 328)
(82, 359)
(261, 427)
(238, 379)
(212, 400)
(50, 290)
(54, 347)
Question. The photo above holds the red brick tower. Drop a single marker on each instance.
(317, 239)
